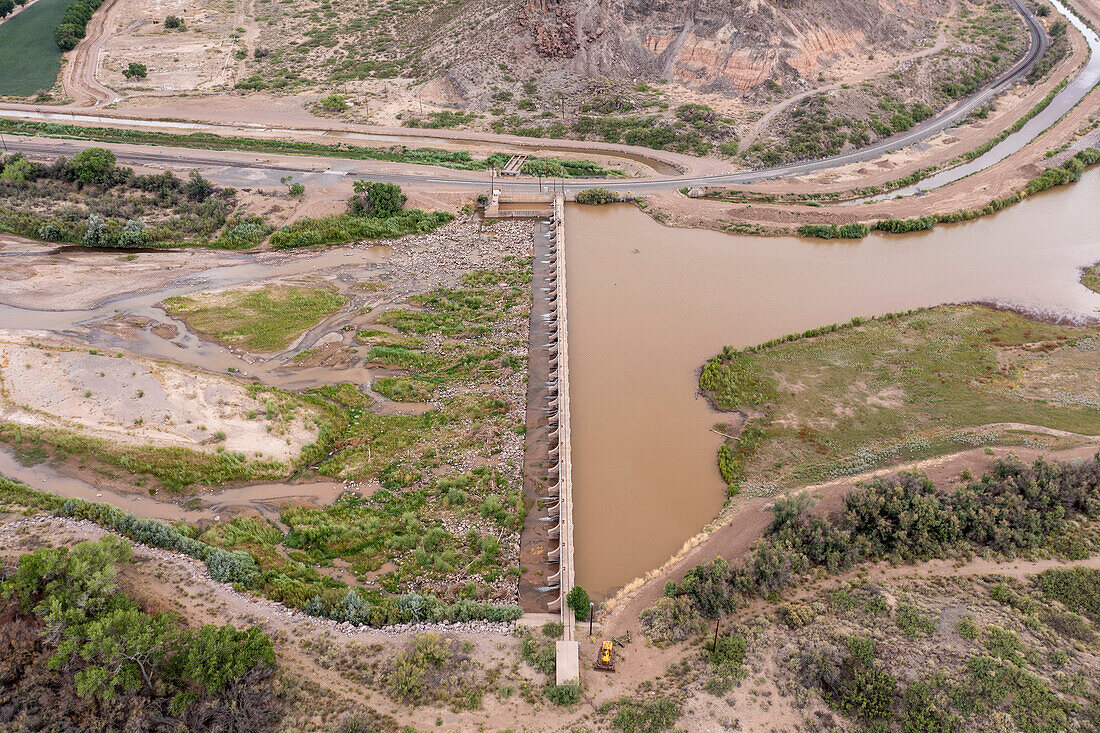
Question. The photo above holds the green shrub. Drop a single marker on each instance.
(910, 620)
(645, 715)
(579, 600)
(136, 71)
(563, 695)
(899, 226)
(671, 620)
(832, 231)
(1077, 588)
(347, 228)
(967, 628)
(376, 200)
(594, 196)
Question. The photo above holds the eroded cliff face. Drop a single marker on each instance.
(735, 46)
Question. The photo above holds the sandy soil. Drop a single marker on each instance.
(49, 382)
(77, 280)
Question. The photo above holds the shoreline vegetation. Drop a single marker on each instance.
(83, 647)
(428, 528)
(1090, 277)
(242, 570)
(118, 208)
(1069, 172)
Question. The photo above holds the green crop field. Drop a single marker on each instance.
(29, 58)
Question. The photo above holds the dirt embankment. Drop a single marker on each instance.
(745, 521)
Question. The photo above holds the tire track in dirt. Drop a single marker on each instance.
(78, 77)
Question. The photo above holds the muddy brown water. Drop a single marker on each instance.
(649, 305)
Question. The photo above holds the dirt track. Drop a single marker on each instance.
(78, 76)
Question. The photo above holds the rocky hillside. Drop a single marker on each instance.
(740, 47)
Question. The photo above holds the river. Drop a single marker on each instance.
(649, 305)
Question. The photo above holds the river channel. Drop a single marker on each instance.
(648, 305)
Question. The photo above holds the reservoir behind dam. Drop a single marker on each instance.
(648, 305)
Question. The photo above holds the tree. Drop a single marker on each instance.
(136, 71)
(594, 196)
(198, 188)
(294, 189)
(18, 168)
(133, 234)
(214, 656)
(93, 231)
(376, 200)
(59, 585)
(92, 165)
(333, 103)
(6, 6)
(579, 600)
(66, 36)
(126, 647)
(174, 22)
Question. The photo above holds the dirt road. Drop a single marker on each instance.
(78, 76)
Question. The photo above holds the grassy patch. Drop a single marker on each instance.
(845, 400)
(174, 468)
(1090, 278)
(347, 228)
(268, 319)
(29, 57)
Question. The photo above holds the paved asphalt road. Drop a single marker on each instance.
(239, 169)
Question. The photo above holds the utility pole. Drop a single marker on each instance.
(591, 606)
(3, 142)
(714, 648)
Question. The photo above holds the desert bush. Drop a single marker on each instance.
(797, 615)
(671, 620)
(642, 715)
(1077, 588)
(107, 647)
(967, 628)
(539, 653)
(1012, 509)
(563, 695)
(594, 196)
(910, 620)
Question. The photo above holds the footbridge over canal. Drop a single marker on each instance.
(547, 552)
